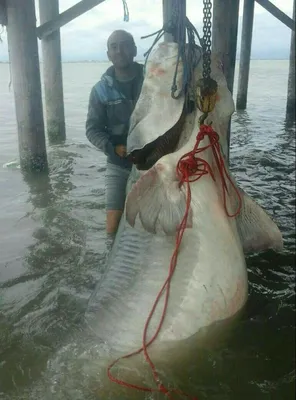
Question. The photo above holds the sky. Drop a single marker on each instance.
(85, 37)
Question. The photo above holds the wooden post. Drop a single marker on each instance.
(24, 59)
(224, 39)
(53, 77)
(245, 54)
(167, 13)
(168, 8)
(3, 14)
(290, 109)
(225, 26)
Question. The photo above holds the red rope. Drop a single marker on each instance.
(190, 168)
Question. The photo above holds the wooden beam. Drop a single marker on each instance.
(26, 82)
(276, 12)
(291, 108)
(65, 17)
(245, 54)
(52, 75)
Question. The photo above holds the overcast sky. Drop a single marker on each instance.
(85, 37)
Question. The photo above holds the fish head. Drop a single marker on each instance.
(163, 125)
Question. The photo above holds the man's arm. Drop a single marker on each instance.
(96, 124)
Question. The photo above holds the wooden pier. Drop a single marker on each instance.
(245, 53)
(20, 19)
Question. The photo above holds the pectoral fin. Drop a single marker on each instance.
(159, 204)
(256, 229)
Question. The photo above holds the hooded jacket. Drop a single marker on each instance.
(111, 104)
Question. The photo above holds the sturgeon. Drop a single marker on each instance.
(210, 282)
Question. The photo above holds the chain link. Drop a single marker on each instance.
(206, 41)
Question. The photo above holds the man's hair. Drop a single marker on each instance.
(129, 35)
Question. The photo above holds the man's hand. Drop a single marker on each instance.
(120, 150)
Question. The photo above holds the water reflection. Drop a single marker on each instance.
(288, 134)
(290, 121)
(43, 305)
(60, 247)
(269, 176)
(242, 119)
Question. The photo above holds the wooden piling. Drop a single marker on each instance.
(168, 9)
(52, 75)
(3, 14)
(245, 54)
(224, 34)
(167, 14)
(224, 40)
(25, 72)
(290, 109)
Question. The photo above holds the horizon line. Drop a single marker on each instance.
(107, 61)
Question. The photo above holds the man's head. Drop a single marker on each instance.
(121, 49)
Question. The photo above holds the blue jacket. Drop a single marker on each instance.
(109, 111)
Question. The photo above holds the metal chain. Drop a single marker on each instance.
(206, 41)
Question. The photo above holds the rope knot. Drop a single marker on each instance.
(189, 160)
(187, 166)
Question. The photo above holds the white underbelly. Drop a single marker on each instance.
(209, 285)
(216, 289)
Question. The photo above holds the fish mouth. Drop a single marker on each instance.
(167, 143)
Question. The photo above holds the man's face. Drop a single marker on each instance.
(121, 50)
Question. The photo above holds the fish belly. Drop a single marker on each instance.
(209, 283)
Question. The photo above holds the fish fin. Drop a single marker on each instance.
(159, 204)
(257, 231)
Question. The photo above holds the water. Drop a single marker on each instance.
(52, 245)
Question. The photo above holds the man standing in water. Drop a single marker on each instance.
(111, 103)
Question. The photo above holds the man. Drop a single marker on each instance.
(111, 103)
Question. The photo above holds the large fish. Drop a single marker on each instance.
(210, 282)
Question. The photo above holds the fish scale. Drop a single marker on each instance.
(123, 266)
(131, 275)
